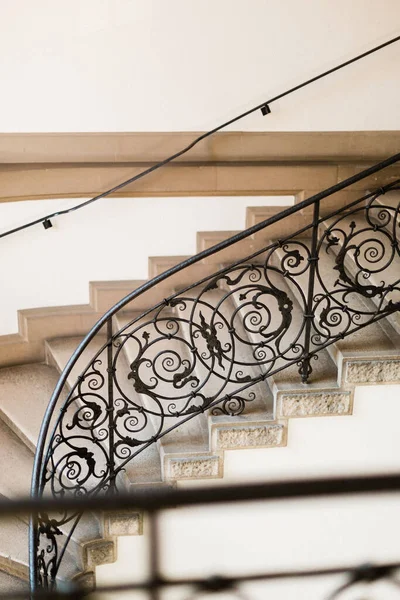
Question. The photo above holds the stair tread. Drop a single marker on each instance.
(14, 539)
(11, 583)
(15, 457)
(14, 545)
(24, 388)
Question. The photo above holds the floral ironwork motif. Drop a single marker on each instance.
(213, 345)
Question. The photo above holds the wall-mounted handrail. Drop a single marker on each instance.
(264, 107)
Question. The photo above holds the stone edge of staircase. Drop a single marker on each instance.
(36, 325)
(240, 433)
(14, 568)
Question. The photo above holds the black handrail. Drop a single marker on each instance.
(264, 107)
(39, 463)
(163, 498)
(153, 501)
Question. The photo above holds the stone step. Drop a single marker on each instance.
(24, 394)
(14, 539)
(12, 584)
(25, 386)
(14, 549)
(207, 239)
(15, 457)
(182, 279)
(21, 388)
(256, 242)
(281, 229)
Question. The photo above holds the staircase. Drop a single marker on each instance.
(182, 389)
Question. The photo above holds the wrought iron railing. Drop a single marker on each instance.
(156, 501)
(210, 347)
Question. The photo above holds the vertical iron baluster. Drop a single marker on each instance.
(305, 369)
(154, 556)
(110, 408)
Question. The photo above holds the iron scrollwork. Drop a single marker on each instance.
(365, 244)
(212, 346)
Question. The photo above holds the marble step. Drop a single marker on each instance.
(255, 242)
(14, 546)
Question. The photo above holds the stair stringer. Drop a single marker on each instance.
(226, 433)
(244, 433)
(36, 325)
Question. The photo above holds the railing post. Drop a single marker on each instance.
(110, 407)
(305, 368)
(33, 570)
(154, 555)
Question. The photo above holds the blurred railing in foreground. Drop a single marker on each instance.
(157, 500)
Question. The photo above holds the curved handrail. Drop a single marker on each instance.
(184, 264)
(313, 201)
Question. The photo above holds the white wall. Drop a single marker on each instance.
(109, 240)
(293, 534)
(137, 65)
(157, 65)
